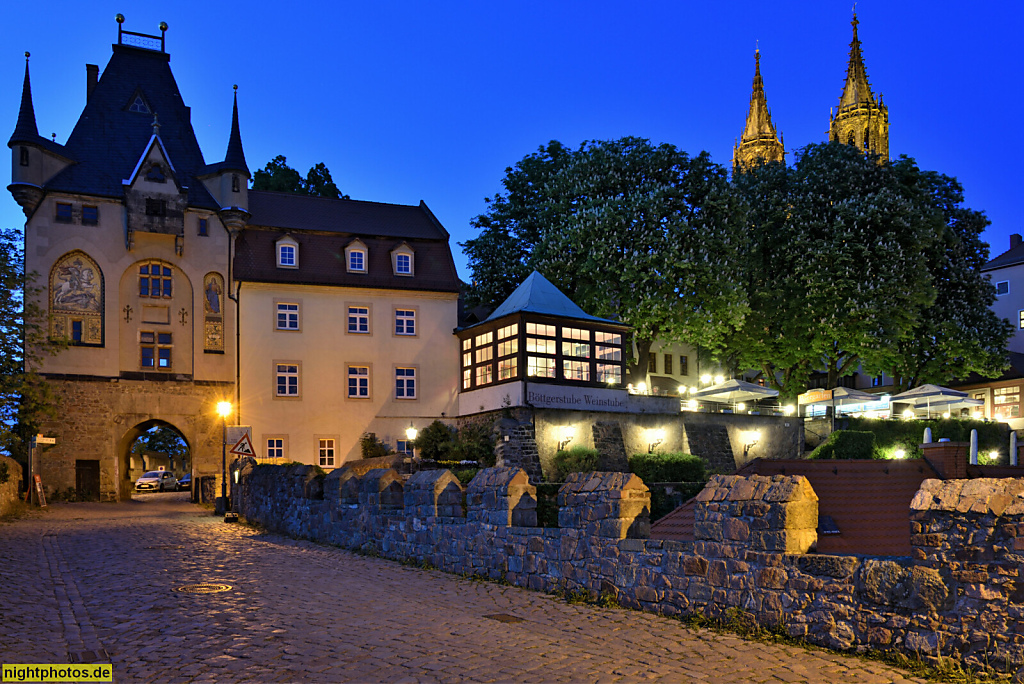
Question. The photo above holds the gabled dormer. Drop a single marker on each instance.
(34, 159)
(228, 181)
(357, 257)
(287, 252)
(155, 199)
(403, 260)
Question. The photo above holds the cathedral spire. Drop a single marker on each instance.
(760, 141)
(235, 156)
(859, 119)
(26, 130)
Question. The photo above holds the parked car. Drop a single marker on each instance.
(160, 480)
(185, 482)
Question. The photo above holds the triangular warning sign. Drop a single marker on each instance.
(244, 446)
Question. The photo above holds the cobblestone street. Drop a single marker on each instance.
(87, 578)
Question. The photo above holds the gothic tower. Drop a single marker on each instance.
(860, 120)
(759, 142)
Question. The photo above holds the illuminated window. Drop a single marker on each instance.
(537, 345)
(467, 378)
(540, 329)
(1006, 402)
(574, 348)
(540, 367)
(484, 374)
(508, 331)
(484, 354)
(405, 383)
(609, 353)
(467, 359)
(508, 347)
(359, 320)
(155, 280)
(607, 338)
(486, 338)
(507, 368)
(610, 373)
(287, 316)
(576, 370)
(358, 382)
(327, 452)
(287, 380)
(1020, 314)
(467, 344)
(405, 322)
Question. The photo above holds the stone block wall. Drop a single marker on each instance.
(10, 481)
(960, 595)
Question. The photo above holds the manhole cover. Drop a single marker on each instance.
(203, 588)
(502, 617)
(163, 547)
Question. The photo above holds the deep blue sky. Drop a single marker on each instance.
(412, 100)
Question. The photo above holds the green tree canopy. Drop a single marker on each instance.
(277, 176)
(630, 230)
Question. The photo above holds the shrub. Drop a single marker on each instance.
(908, 434)
(847, 444)
(464, 475)
(371, 447)
(473, 442)
(668, 467)
(579, 459)
(435, 442)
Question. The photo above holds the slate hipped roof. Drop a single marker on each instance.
(108, 139)
(537, 295)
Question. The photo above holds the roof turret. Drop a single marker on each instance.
(26, 130)
(234, 159)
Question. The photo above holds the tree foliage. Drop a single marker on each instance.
(628, 230)
(277, 176)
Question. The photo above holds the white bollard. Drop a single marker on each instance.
(927, 435)
(974, 447)
(1013, 447)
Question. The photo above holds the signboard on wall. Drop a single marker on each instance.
(596, 399)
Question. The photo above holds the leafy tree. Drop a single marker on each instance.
(435, 441)
(277, 176)
(26, 401)
(626, 229)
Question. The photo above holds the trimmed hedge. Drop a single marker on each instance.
(668, 467)
(579, 459)
(891, 435)
(847, 444)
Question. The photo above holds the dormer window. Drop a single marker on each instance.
(356, 257)
(402, 260)
(287, 253)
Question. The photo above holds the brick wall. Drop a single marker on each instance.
(960, 594)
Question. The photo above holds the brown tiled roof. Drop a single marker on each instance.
(869, 501)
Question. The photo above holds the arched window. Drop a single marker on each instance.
(155, 280)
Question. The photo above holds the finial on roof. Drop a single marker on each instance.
(53, 137)
(27, 55)
(234, 158)
(156, 125)
(119, 18)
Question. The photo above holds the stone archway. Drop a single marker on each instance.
(124, 446)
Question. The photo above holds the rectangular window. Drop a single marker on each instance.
(275, 447)
(508, 347)
(540, 329)
(327, 452)
(575, 334)
(1002, 287)
(358, 382)
(405, 322)
(204, 229)
(467, 359)
(76, 332)
(610, 373)
(403, 264)
(405, 383)
(24, 155)
(507, 368)
(90, 215)
(684, 365)
(286, 256)
(1020, 314)
(403, 446)
(357, 260)
(287, 316)
(540, 367)
(359, 320)
(607, 338)
(63, 212)
(155, 281)
(155, 350)
(287, 380)
(668, 364)
(486, 338)
(574, 348)
(156, 207)
(467, 378)
(537, 345)
(467, 344)
(576, 370)
(485, 354)
(652, 363)
(484, 374)
(508, 331)
(609, 353)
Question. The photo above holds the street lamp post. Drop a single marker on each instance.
(223, 410)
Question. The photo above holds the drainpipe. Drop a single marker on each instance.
(232, 234)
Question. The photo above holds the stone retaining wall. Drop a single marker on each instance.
(10, 482)
(960, 595)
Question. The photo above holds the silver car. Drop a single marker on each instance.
(159, 480)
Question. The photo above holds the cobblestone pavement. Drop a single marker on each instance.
(87, 578)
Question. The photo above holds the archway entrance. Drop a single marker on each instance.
(154, 446)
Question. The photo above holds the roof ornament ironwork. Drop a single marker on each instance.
(141, 40)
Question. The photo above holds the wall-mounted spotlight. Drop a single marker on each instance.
(565, 435)
(750, 439)
(654, 438)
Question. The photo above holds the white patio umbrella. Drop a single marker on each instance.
(735, 390)
(932, 396)
(843, 396)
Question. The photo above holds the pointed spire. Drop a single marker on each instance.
(26, 130)
(235, 157)
(856, 91)
(760, 139)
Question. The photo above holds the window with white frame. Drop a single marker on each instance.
(287, 375)
(357, 260)
(403, 264)
(358, 382)
(405, 383)
(405, 322)
(275, 447)
(1002, 288)
(287, 255)
(287, 316)
(359, 319)
(403, 446)
(327, 452)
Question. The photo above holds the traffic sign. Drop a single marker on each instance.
(243, 447)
